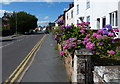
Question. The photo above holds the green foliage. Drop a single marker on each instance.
(82, 36)
(25, 22)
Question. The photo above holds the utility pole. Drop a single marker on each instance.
(16, 22)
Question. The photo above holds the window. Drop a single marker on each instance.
(116, 24)
(98, 22)
(77, 9)
(77, 21)
(88, 18)
(72, 14)
(114, 18)
(88, 4)
(103, 22)
(67, 16)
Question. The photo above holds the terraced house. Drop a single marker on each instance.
(98, 12)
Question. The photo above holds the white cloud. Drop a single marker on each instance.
(46, 17)
(41, 22)
(9, 1)
(3, 11)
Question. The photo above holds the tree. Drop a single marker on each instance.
(25, 22)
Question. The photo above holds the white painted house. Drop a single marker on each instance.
(98, 12)
(69, 15)
(119, 17)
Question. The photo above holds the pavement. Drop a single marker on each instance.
(47, 66)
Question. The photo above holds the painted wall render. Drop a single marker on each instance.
(98, 9)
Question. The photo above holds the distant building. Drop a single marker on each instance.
(60, 18)
(5, 21)
(98, 12)
(51, 24)
(69, 15)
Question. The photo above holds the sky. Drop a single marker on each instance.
(44, 11)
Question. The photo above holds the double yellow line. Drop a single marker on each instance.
(22, 65)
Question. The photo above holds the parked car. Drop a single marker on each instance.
(26, 33)
(44, 30)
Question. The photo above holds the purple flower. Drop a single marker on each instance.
(72, 39)
(105, 32)
(90, 45)
(100, 43)
(55, 37)
(87, 35)
(113, 41)
(67, 27)
(63, 26)
(109, 27)
(68, 41)
(79, 41)
(111, 34)
(103, 28)
(111, 52)
(100, 31)
(85, 39)
(74, 44)
(99, 36)
(82, 31)
(94, 35)
(62, 53)
(94, 52)
(84, 42)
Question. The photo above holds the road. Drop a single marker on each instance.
(15, 50)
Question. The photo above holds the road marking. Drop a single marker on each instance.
(6, 45)
(22, 65)
(32, 59)
(11, 43)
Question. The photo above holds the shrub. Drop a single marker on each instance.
(100, 42)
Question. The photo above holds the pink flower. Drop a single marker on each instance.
(90, 45)
(78, 23)
(65, 47)
(116, 30)
(82, 23)
(99, 36)
(82, 27)
(85, 39)
(82, 31)
(94, 35)
(62, 53)
(84, 42)
(87, 23)
(111, 34)
(111, 52)
(100, 31)
(87, 35)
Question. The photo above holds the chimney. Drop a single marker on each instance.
(71, 5)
